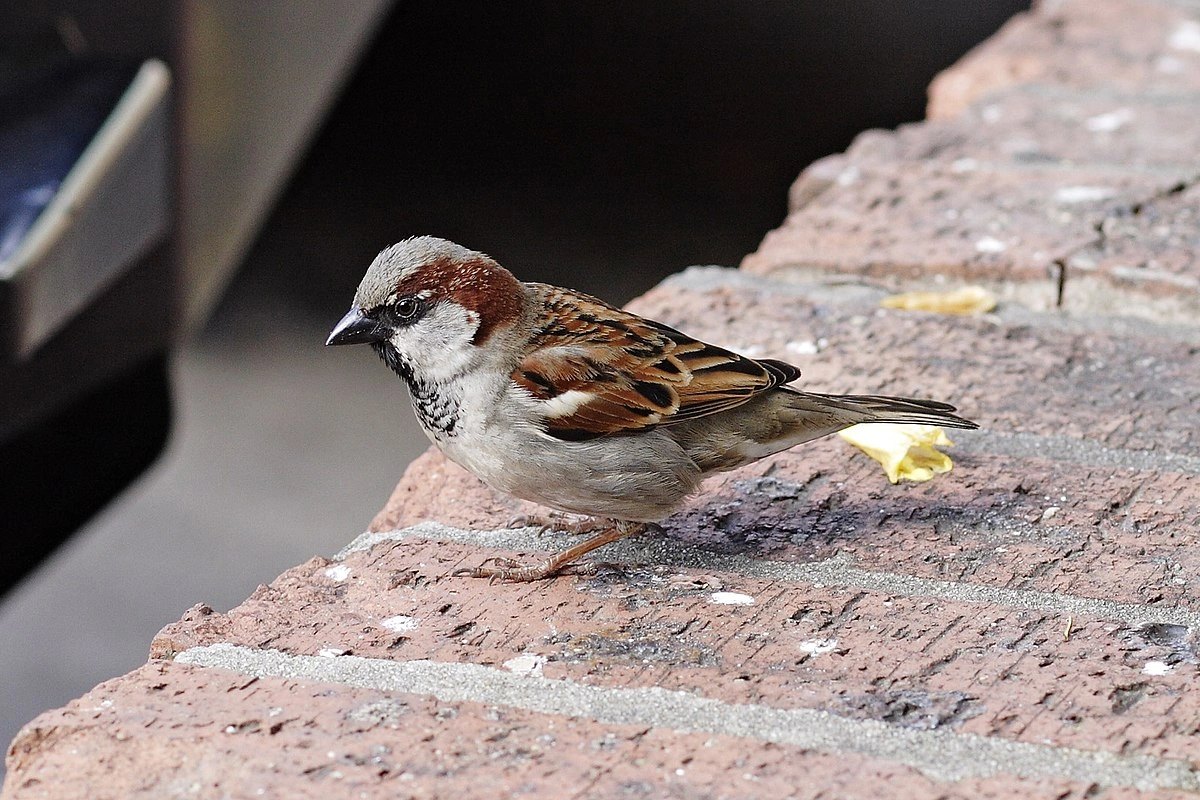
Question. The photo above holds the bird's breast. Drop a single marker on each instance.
(438, 408)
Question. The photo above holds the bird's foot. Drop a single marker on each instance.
(506, 569)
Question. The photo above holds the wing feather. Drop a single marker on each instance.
(626, 373)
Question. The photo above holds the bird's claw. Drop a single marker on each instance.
(504, 569)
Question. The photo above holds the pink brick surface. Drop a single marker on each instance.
(920, 661)
(900, 223)
(1024, 626)
(1058, 169)
(1114, 45)
(1128, 510)
(209, 733)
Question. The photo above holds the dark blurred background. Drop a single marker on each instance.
(602, 144)
(598, 145)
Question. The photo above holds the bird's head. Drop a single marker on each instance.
(428, 306)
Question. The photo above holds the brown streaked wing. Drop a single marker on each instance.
(600, 370)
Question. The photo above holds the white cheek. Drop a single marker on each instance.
(439, 345)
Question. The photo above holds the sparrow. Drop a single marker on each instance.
(554, 396)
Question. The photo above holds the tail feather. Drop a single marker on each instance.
(854, 409)
(783, 418)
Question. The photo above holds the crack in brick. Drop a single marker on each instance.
(1134, 209)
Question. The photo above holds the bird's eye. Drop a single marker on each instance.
(406, 308)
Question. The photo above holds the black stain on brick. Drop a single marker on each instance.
(910, 708)
(1126, 697)
(653, 643)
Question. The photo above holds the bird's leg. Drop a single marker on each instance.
(508, 570)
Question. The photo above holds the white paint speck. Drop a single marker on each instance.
(1186, 36)
(731, 599)
(679, 772)
(802, 348)
(332, 652)
(399, 623)
(1081, 262)
(964, 165)
(848, 177)
(1169, 65)
(990, 244)
(1083, 194)
(525, 665)
(816, 647)
(338, 572)
(1156, 668)
(1107, 123)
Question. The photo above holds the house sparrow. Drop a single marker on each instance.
(557, 397)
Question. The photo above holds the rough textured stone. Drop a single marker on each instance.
(1023, 626)
(1117, 44)
(1038, 127)
(1048, 517)
(798, 645)
(202, 732)
(1148, 252)
(1065, 136)
(920, 225)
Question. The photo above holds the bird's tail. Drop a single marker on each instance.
(854, 409)
(785, 417)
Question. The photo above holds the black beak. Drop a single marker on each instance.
(357, 328)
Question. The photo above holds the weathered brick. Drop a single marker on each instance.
(208, 732)
(1062, 522)
(915, 224)
(1121, 44)
(1019, 674)
(1148, 253)
(1035, 127)
(1052, 197)
(1059, 519)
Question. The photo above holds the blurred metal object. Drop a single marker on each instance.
(251, 84)
(109, 210)
(255, 82)
(141, 149)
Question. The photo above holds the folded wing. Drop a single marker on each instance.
(598, 370)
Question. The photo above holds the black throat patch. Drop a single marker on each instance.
(437, 411)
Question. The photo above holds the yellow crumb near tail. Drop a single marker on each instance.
(965, 301)
(907, 452)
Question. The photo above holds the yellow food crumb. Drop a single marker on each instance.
(965, 301)
(907, 452)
